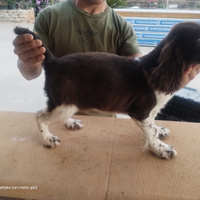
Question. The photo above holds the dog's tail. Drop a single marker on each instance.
(19, 31)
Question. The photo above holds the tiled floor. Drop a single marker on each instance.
(18, 94)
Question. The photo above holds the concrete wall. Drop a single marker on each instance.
(17, 16)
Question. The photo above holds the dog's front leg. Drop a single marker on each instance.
(151, 136)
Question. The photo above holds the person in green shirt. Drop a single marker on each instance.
(75, 26)
(79, 26)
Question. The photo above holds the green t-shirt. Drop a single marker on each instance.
(66, 29)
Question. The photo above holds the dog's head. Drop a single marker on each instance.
(180, 49)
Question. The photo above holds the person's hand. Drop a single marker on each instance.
(28, 50)
(30, 54)
(190, 74)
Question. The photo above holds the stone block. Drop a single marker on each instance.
(17, 15)
(104, 160)
(6, 16)
(20, 12)
(17, 20)
(24, 16)
(12, 11)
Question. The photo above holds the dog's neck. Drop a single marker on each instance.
(150, 60)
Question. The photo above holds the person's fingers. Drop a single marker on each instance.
(189, 74)
(35, 61)
(20, 49)
(31, 53)
(198, 69)
(195, 70)
(20, 39)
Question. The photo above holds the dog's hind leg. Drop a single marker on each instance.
(44, 118)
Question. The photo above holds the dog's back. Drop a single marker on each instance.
(98, 80)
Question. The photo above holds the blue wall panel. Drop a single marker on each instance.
(150, 35)
(153, 22)
(160, 21)
(152, 28)
(151, 31)
(148, 42)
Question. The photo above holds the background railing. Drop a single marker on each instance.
(164, 4)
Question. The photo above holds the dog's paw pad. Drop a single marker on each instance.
(73, 124)
(163, 132)
(166, 152)
(51, 141)
(162, 150)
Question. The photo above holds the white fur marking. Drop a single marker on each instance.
(44, 118)
(73, 124)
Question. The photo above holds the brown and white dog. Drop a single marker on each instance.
(117, 84)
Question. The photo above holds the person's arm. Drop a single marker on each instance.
(135, 55)
(30, 55)
(129, 45)
(189, 74)
(28, 72)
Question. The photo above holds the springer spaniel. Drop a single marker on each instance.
(118, 84)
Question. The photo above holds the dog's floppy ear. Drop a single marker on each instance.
(166, 77)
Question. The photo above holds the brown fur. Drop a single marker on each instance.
(119, 84)
(178, 50)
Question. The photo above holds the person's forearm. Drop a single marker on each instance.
(28, 72)
(136, 55)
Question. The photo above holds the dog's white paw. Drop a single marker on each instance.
(73, 124)
(163, 132)
(163, 150)
(51, 141)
